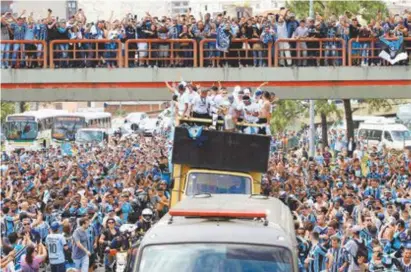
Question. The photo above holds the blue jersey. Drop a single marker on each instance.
(55, 245)
(91, 236)
(318, 258)
(339, 258)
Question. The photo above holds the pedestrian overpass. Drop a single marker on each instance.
(148, 84)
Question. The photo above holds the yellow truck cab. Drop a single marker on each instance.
(217, 162)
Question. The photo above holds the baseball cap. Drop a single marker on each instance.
(55, 226)
(356, 228)
(258, 92)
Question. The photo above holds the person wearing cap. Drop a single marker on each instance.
(249, 109)
(56, 245)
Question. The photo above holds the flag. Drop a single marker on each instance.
(393, 50)
(223, 39)
(66, 149)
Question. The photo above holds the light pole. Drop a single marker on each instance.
(312, 113)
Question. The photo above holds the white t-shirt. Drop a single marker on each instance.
(215, 103)
(252, 108)
(201, 104)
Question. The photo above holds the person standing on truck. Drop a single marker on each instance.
(201, 105)
(250, 113)
(265, 114)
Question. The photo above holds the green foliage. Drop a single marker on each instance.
(366, 9)
(329, 109)
(120, 112)
(381, 104)
(285, 113)
(6, 109)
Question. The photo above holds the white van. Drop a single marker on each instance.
(392, 135)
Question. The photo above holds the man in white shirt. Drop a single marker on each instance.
(282, 33)
(250, 110)
(188, 98)
(201, 105)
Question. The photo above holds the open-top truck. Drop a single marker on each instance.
(217, 162)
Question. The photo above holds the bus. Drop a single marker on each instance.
(66, 126)
(30, 130)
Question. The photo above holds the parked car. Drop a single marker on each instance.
(136, 120)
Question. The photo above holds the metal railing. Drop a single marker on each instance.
(310, 52)
(242, 52)
(172, 52)
(366, 50)
(91, 53)
(17, 52)
(189, 53)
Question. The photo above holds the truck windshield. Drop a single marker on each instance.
(215, 257)
(401, 135)
(21, 130)
(217, 183)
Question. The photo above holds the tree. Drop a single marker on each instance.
(285, 113)
(6, 109)
(366, 9)
(348, 118)
(324, 109)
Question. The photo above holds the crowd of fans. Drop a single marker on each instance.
(351, 202)
(261, 31)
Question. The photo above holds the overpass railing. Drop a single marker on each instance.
(161, 53)
(242, 52)
(85, 53)
(309, 52)
(20, 53)
(190, 53)
(366, 51)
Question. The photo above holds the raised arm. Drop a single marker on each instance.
(169, 87)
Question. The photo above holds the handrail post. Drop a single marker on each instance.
(126, 60)
(119, 54)
(195, 51)
(45, 55)
(51, 50)
(201, 53)
(344, 52)
(350, 52)
(321, 51)
(269, 54)
(276, 53)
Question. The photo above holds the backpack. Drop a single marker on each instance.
(361, 252)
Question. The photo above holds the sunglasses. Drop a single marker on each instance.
(26, 224)
(111, 222)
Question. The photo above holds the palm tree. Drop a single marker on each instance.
(348, 118)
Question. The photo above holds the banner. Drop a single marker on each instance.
(392, 50)
(66, 149)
